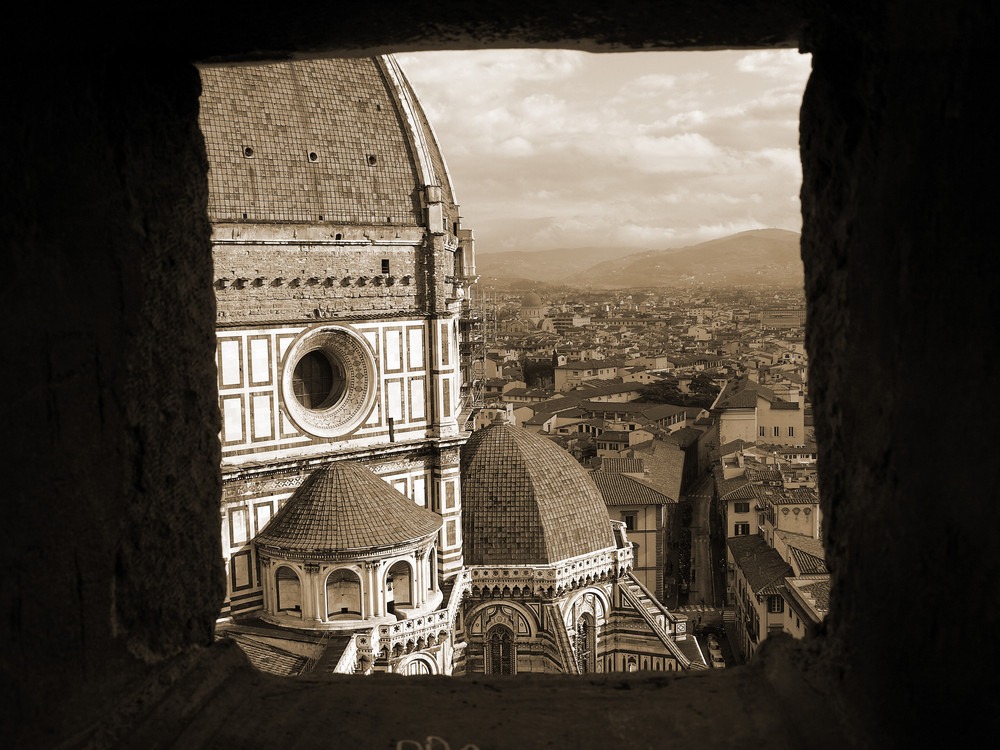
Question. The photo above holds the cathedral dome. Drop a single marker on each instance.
(340, 141)
(343, 507)
(531, 300)
(525, 501)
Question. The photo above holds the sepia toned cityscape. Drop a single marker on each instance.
(446, 461)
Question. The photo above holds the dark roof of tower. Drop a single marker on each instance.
(526, 501)
(339, 141)
(344, 506)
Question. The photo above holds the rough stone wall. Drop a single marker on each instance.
(899, 161)
(281, 284)
(112, 482)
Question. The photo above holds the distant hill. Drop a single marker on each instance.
(769, 256)
(759, 256)
(546, 265)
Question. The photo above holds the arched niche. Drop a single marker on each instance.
(288, 591)
(343, 594)
(400, 574)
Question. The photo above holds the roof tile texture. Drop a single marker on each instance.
(620, 489)
(342, 111)
(526, 501)
(344, 506)
(761, 565)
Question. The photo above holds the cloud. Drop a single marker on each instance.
(551, 148)
(775, 63)
(655, 82)
(516, 146)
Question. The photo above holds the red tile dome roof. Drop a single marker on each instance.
(338, 140)
(526, 501)
(342, 507)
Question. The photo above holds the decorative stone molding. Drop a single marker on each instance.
(353, 355)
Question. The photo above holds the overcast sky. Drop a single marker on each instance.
(557, 148)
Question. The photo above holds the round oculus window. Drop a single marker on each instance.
(318, 381)
(328, 381)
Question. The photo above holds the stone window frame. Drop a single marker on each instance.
(505, 637)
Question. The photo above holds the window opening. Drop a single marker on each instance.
(500, 650)
(317, 381)
(586, 644)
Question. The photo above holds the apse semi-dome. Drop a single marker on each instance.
(322, 141)
(525, 501)
(343, 507)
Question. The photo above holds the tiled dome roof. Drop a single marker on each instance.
(526, 501)
(343, 141)
(344, 506)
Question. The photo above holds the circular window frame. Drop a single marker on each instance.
(354, 355)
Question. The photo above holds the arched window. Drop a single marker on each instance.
(343, 594)
(500, 650)
(401, 576)
(417, 666)
(586, 643)
(289, 591)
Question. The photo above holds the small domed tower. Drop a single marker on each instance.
(348, 551)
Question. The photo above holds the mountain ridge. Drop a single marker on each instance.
(746, 257)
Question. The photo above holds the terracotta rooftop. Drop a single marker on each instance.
(819, 592)
(267, 657)
(665, 463)
(736, 488)
(622, 465)
(733, 447)
(807, 563)
(806, 552)
(763, 474)
(334, 138)
(620, 489)
(762, 566)
(344, 506)
(526, 501)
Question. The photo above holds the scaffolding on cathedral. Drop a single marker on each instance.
(477, 331)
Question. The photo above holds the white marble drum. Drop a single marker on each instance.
(346, 550)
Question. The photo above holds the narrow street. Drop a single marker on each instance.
(702, 586)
